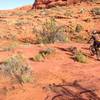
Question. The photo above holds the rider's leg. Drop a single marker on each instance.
(92, 49)
(98, 51)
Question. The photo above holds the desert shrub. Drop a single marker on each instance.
(46, 52)
(77, 55)
(95, 11)
(16, 67)
(78, 28)
(43, 54)
(51, 33)
(38, 57)
(80, 57)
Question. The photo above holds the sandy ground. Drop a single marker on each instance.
(54, 69)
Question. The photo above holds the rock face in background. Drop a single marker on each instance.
(51, 3)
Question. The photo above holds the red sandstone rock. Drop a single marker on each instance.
(52, 3)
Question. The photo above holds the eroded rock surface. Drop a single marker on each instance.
(51, 3)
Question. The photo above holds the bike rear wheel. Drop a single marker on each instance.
(92, 50)
(98, 54)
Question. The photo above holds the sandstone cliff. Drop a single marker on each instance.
(52, 3)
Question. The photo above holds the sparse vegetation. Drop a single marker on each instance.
(17, 68)
(31, 12)
(50, 66)
(51, 33)
(19, 13)
(70, 28)
(79, 28)
(77, 55)
(43, 54)
(21, 22)
(80, 57)
(68, 13)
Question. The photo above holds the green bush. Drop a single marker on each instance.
(80, 57)
(51, 33)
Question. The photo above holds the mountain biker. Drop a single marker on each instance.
(95, 38)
